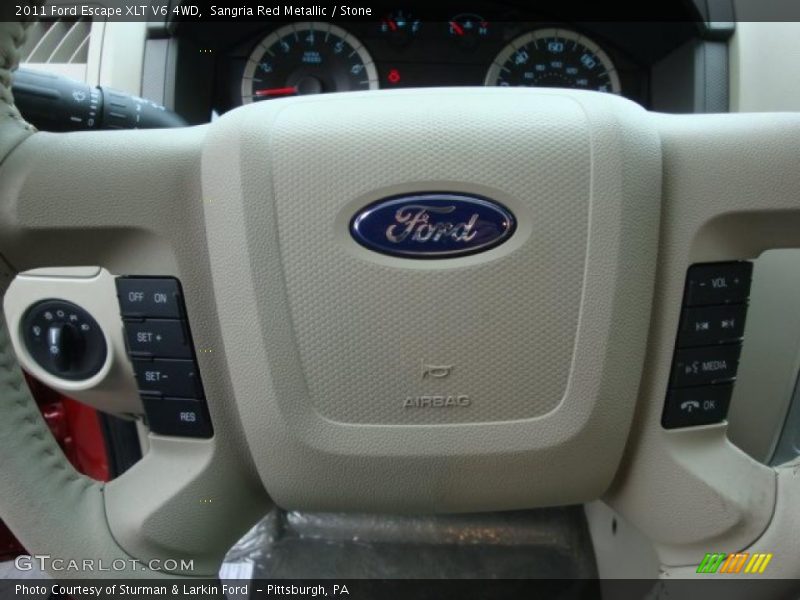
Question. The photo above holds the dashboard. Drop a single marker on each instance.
(477, 44)
(309, 57)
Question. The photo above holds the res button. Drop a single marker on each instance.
(178, 417)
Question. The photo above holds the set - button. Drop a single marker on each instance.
(168, 377)
(708, 345)
(159, 344)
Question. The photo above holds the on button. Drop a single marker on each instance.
(149, 297)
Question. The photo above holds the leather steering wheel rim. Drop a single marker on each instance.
(51, 507)
(55, 510)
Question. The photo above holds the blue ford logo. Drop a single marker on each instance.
(432, 225)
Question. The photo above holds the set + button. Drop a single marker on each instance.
(166, 338)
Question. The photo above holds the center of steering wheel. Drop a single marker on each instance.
(508, 337)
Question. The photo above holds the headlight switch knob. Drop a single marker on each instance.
(64, 339)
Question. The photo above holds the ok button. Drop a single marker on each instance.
(162, 338)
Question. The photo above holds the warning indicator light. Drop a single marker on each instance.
(393, 76)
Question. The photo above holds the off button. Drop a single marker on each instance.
(149, 297)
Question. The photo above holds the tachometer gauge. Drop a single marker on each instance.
(307, 58)
(554, 58)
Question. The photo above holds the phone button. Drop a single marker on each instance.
(704, 405)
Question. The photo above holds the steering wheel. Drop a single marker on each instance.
(527, 373)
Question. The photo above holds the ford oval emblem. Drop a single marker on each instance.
(432, 225)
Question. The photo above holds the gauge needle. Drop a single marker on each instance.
(457, 28)
(281, 91)
(392, 25)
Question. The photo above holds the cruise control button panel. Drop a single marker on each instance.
(159, 343)
(708, 344)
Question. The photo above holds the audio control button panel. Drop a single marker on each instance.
(708, 345)
(159, 344)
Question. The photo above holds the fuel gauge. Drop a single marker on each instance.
(468, 29)
(400, 27)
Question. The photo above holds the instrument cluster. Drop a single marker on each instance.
(400, 50)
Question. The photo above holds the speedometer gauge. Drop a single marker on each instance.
(307, 58)
(554, 58)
